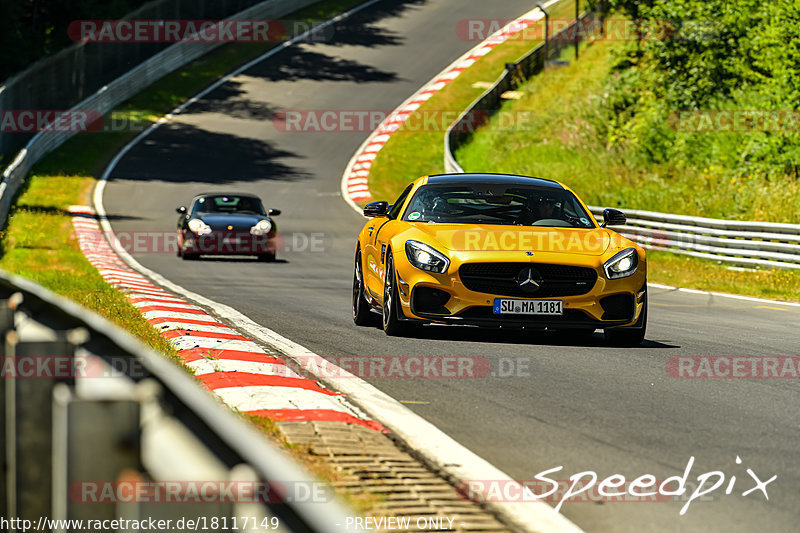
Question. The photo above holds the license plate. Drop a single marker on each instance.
(503, 306)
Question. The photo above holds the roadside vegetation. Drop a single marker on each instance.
(414, 152)
(34, 30)
(609, 125)
(38, 242)
(621, 125)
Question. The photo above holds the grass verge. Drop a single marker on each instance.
(703, 274)
(556, 141)
(411, 153)
(38, 242)
(557, 137)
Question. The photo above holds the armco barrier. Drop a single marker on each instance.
(754, 244)
(124, 88)
(765, 244)
(491, 100)
(96, 426)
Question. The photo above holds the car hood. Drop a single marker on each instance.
(219, 221)
(460, 237)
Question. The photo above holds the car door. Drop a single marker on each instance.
(379, 231)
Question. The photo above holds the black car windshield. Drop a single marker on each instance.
(497, 204)
(228, 204)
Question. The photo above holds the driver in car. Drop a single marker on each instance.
(547, 208)
(538, 209)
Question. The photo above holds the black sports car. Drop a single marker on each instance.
(227, 224)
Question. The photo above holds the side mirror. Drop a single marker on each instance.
(376, 209)
(273, 212)
(613, 217)
(180, 210)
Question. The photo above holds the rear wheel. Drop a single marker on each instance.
(267, 258)
(362, 315)
(392, 325)
(189, 257)
(630, 336)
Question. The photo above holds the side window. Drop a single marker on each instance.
(395, 211)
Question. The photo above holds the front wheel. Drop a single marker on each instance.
(362, 315)
(266, 258)
(392, 325)
(630, 336)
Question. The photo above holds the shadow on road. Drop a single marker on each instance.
(298, 64)
(520, 336)
(236, 259)
(229, 100)
(186, 153)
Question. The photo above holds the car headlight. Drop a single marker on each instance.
(622, 265)
(261, 227)
(424, 257)
(199, 227)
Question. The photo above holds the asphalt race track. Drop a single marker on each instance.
(586, 406)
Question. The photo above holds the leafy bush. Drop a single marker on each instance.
(709, 56)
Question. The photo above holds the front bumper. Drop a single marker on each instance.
(227, 243)
(607, 304)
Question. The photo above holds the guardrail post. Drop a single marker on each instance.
(577, 23)
(546, 32)
(6, 325)
(95, 441)
(601, 10)
(28, 393)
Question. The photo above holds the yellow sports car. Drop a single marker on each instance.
(498, 250)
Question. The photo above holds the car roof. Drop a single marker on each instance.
(491, 178)
(244, 194)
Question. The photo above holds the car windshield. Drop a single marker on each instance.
(497, 204)
(228, 204)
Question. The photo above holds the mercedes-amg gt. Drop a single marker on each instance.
(498, 250)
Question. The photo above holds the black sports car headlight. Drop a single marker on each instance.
(198, 226)
(426, 258)
(622, 265)
(262, 227)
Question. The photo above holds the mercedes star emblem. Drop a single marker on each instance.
(529, 279)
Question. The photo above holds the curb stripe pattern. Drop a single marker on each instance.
(354, 183)
(230, 365)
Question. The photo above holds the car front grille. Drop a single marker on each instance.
(502, 279)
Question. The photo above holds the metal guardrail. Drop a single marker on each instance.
(86, 405)
(763, 244)
(123, 88)
(754, 244)
(480, 111)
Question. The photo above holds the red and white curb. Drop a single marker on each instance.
(355, 181)
(235, 368)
